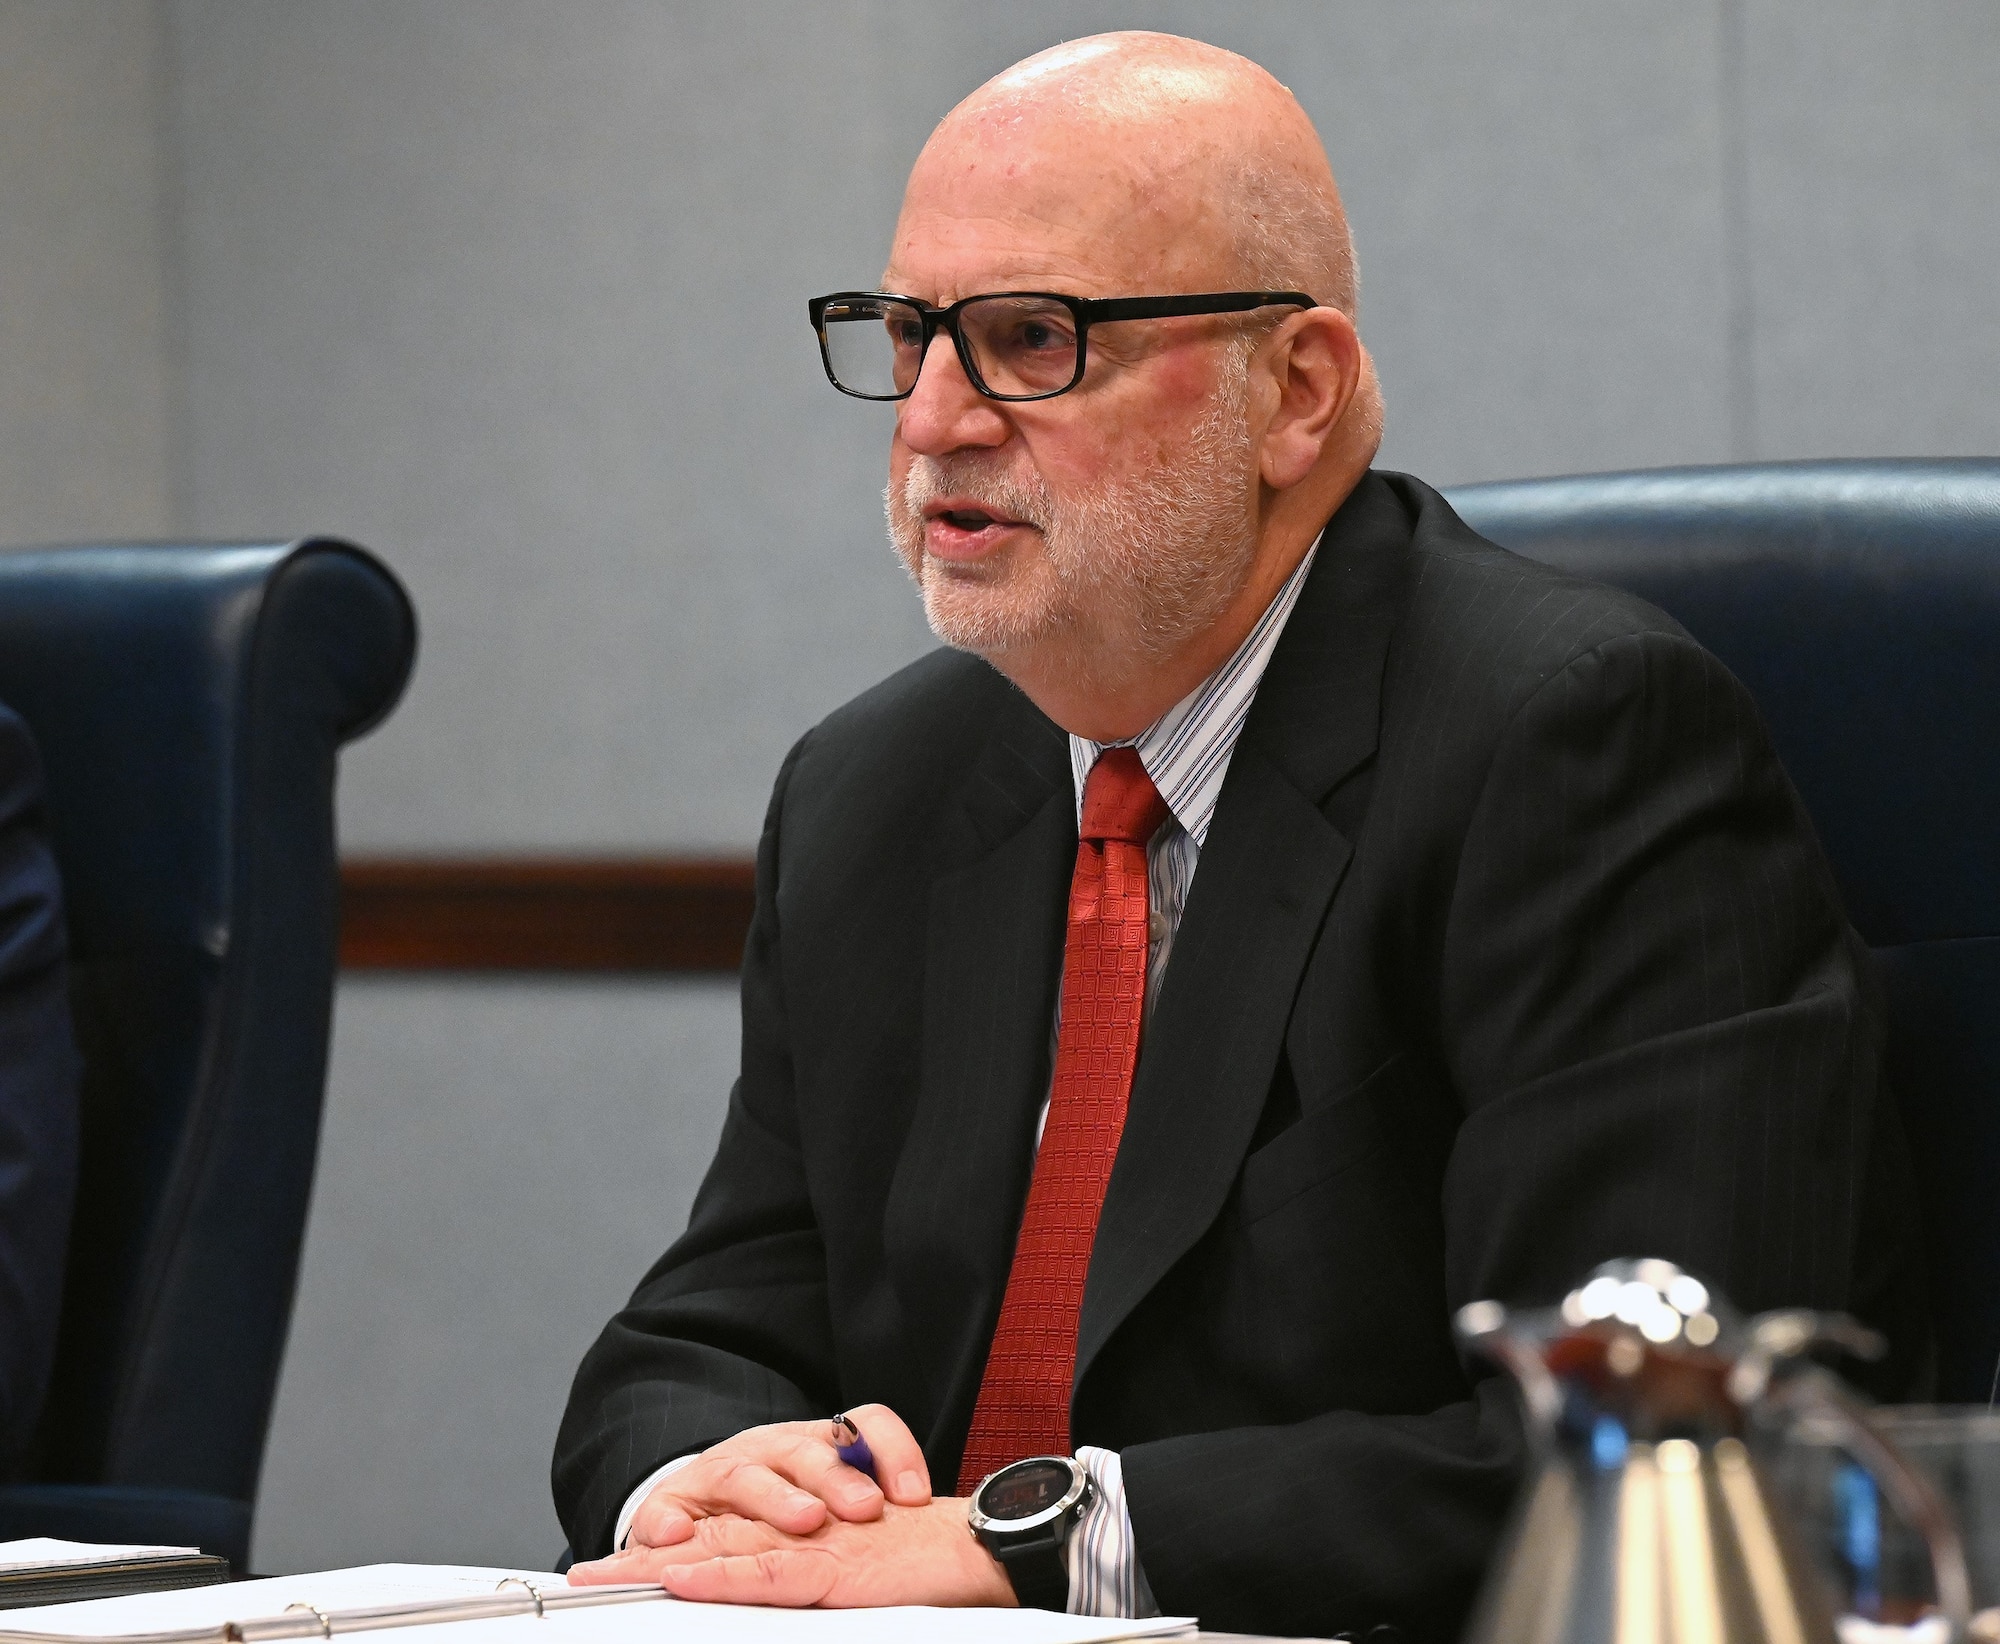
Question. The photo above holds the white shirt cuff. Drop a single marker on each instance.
(630, 1510)
(1104, 1574)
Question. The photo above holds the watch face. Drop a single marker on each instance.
(1025, 1489)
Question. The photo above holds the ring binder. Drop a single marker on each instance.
(504, 1605)
(522, 1581)
(315, 1622)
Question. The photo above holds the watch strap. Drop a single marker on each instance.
(1037, 1569)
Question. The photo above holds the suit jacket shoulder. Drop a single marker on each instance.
(1507, 623)
(921, 769)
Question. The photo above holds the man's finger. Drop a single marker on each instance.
(661, 1521)
(634, 1564)
(793, 1577)
(735, 1478)
(900, 1467)
(813, 1464)
(723, 1536)
(749, 1489)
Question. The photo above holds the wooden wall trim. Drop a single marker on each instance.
(629, 914)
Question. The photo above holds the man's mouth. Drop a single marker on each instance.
(959, 528)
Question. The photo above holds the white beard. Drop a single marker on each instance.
(1129, 570)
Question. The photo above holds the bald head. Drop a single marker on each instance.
(1109, 545)
(1195, 158)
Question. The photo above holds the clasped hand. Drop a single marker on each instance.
(774, 1516)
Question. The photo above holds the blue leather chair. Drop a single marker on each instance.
(189, 702)
(1860, 603)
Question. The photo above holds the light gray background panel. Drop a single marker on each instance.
(84, 290)
(514, 293)
(1873, 187)
(500, 1164)
(1517, 328)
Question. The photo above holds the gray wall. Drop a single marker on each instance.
(86, 435)
(500, 1162)
(521, 298)
(514, 292)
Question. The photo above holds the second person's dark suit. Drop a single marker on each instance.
(1509, 950)
(38, 1091)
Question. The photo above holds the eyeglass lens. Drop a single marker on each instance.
(1020, 346)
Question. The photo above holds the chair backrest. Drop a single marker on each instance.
(1860, 604)
(189, 701)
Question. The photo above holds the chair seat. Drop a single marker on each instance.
(130, 1514)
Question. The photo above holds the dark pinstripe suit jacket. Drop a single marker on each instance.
(38, 1091)
(1510, 950)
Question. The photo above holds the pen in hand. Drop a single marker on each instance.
(851, 1447)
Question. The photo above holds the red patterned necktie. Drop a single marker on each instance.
(1023, 1407)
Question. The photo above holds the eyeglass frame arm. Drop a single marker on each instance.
(1088, 311)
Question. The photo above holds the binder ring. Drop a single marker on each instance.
(325, 1620)
(534, 1592)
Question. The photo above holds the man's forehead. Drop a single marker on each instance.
(942, 255)
(1014, 207)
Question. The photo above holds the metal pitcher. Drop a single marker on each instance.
(1645, 1519)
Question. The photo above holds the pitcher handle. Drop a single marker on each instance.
(1911, 1492)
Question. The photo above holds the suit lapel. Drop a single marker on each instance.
(1267, 873)
(993, 951)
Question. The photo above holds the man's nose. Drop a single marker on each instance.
(944, 412)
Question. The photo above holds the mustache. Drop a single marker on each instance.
(1003, 490)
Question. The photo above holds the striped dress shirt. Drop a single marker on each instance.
(1186, 752)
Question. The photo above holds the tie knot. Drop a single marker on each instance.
(1119, 799)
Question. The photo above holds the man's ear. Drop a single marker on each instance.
(1310, 368)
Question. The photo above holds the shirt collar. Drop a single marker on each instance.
(1186, 751)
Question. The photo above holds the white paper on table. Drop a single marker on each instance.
(677, 1623)
(663, 1621)
(46, 1553)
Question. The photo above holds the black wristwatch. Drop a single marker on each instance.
(1023, 1515)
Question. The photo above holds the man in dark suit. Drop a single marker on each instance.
(38, 1079)
(1295, 919)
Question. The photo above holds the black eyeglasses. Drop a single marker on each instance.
(1014, 345)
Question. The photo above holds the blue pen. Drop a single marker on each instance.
(851, 1447)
